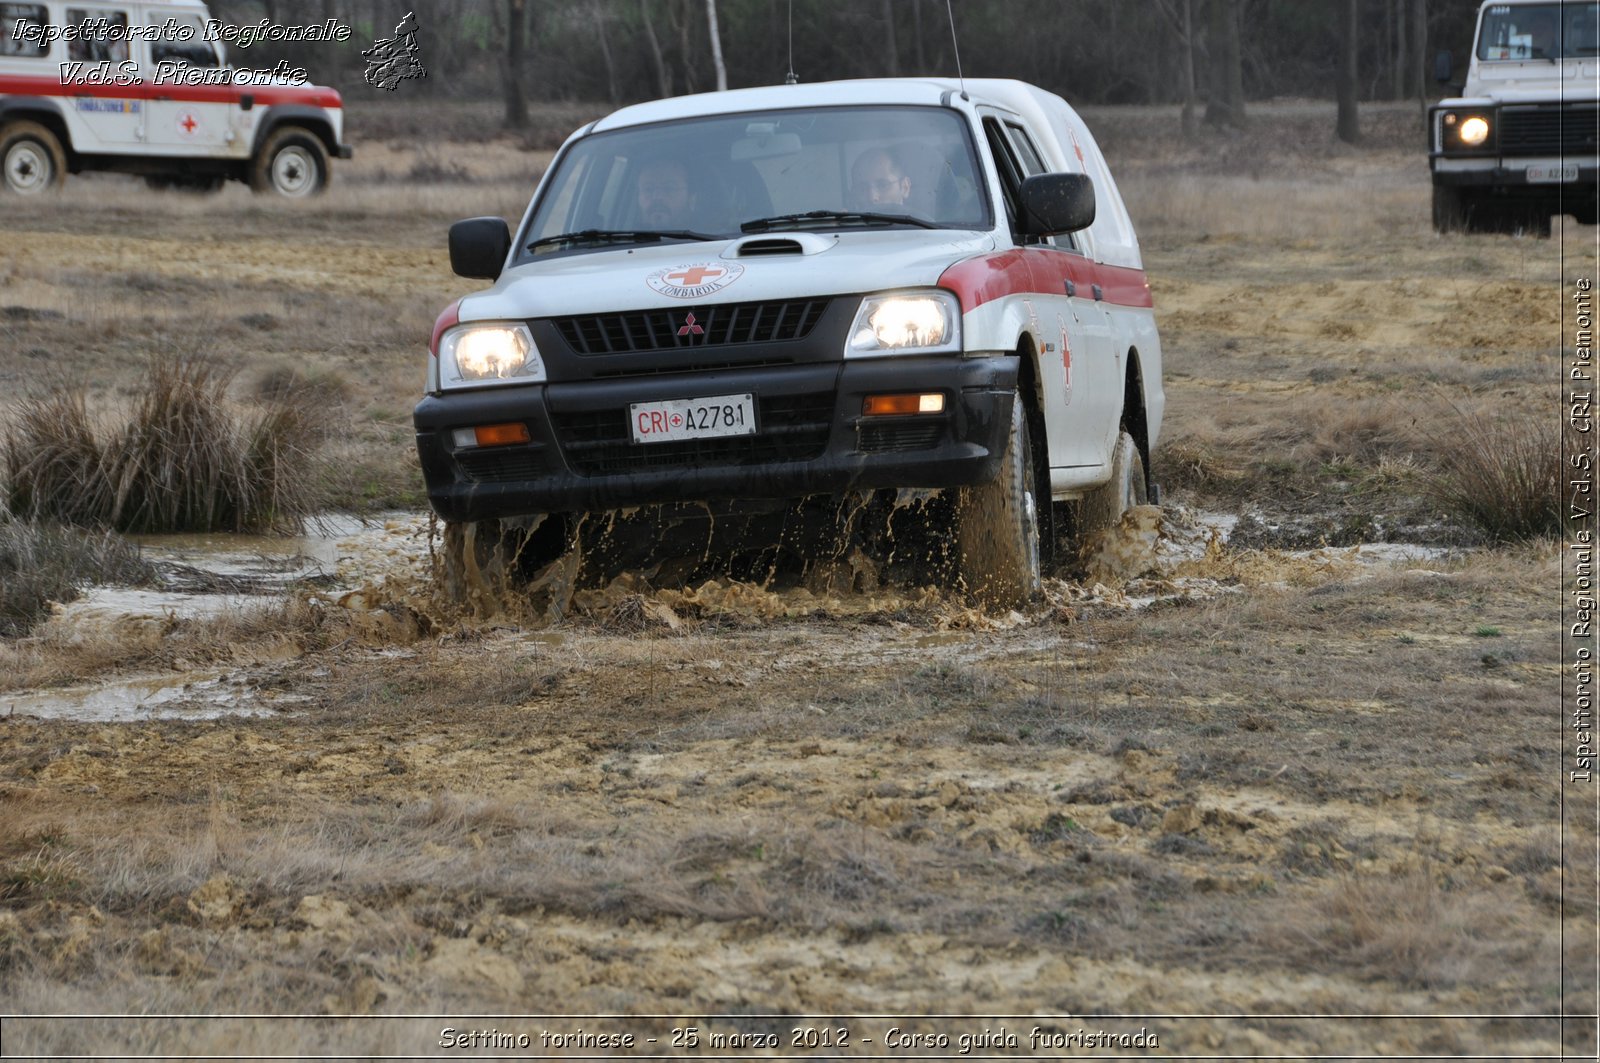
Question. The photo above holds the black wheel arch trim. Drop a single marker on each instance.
(313, 120)
(46, 112)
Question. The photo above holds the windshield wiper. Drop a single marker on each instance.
(608, 236)
(800, 221)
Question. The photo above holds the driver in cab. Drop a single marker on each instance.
(879, 183)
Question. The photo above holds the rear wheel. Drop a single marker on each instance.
(32, 159)
(292, 163)
(997, 525)
(1104, 506)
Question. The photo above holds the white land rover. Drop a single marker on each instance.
(142, 86)
(1520, 144)
(739, 303)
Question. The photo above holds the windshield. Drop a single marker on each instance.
(704, 178)
(1540, 31)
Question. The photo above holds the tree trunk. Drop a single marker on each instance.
(663, 73)
(1191, 97)
(916, 22)
(716, 46)
(1402, 48)
(516, 102)
(1226, 104)
(1349, 120)
(598, 17)
(686, 59)
(1420, 61)
(891, 47)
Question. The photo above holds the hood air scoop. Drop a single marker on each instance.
(787, 244)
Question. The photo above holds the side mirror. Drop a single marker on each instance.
(1057, 203)
(478, 247)
(1442, 67)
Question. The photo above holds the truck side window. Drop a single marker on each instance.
(1032, 164)
(34, 15)
(1010, 174)
(174, 48)
(85, 48)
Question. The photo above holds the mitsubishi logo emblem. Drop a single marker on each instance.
(690, 328)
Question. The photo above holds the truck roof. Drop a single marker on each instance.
(924, 91)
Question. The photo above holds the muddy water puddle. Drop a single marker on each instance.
(1156, 555)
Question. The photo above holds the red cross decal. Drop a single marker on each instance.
(690, 328)
(688, 278)
(188, 123)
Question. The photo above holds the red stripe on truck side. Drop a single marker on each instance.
(1030, 270)
(265, 95)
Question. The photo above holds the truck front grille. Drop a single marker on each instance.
(789, 428)
(1548, 130)
(701, 326)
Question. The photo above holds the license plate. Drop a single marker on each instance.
(677, 419)
(1553, 175)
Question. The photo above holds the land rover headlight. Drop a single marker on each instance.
(917, 322)
(485, 354)
(1466, 129)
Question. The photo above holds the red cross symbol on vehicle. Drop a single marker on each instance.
(690, 328)
(188, 123)
(688, 278)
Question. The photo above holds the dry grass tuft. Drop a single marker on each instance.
(1409, 929)
(1501, 474)
(184, 461)
(40, 564)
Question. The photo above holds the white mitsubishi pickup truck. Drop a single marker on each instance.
(1519, 144)
(739, 304)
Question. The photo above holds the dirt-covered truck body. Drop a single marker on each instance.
(793, 291)
(1519, 144)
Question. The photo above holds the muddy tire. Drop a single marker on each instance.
(488, 565)
(1449, 210)
(997, 525)
(1103, 507)
(292, 163)
(31, 159)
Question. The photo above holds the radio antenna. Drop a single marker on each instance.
(954, 43)
(789, 78)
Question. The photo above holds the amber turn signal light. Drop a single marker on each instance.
(491, 435)
(879, 405)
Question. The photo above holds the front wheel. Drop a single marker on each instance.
(292, 163)
(32, 159)
(997, 525)
(1449, 209)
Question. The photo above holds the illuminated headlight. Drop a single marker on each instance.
(1466, 130)
(905, 323)
(479, 355)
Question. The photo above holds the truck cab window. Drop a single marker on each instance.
(109, 46)
(33, 15)
(1031, 163)
(182, 41)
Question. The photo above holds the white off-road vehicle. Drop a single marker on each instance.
(1519, 144)
(723, 307)
(143, 87)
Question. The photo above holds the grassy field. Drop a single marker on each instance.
(1303, 784)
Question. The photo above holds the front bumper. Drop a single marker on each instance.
(1507, 174)
(811, 437)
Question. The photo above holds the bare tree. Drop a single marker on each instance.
(1180, 16)
(1225, 107)
(663, 72)
(516, 28)
(716, 46)
(1349, 126)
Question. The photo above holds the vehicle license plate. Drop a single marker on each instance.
(1553, 175)
(707, 418)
